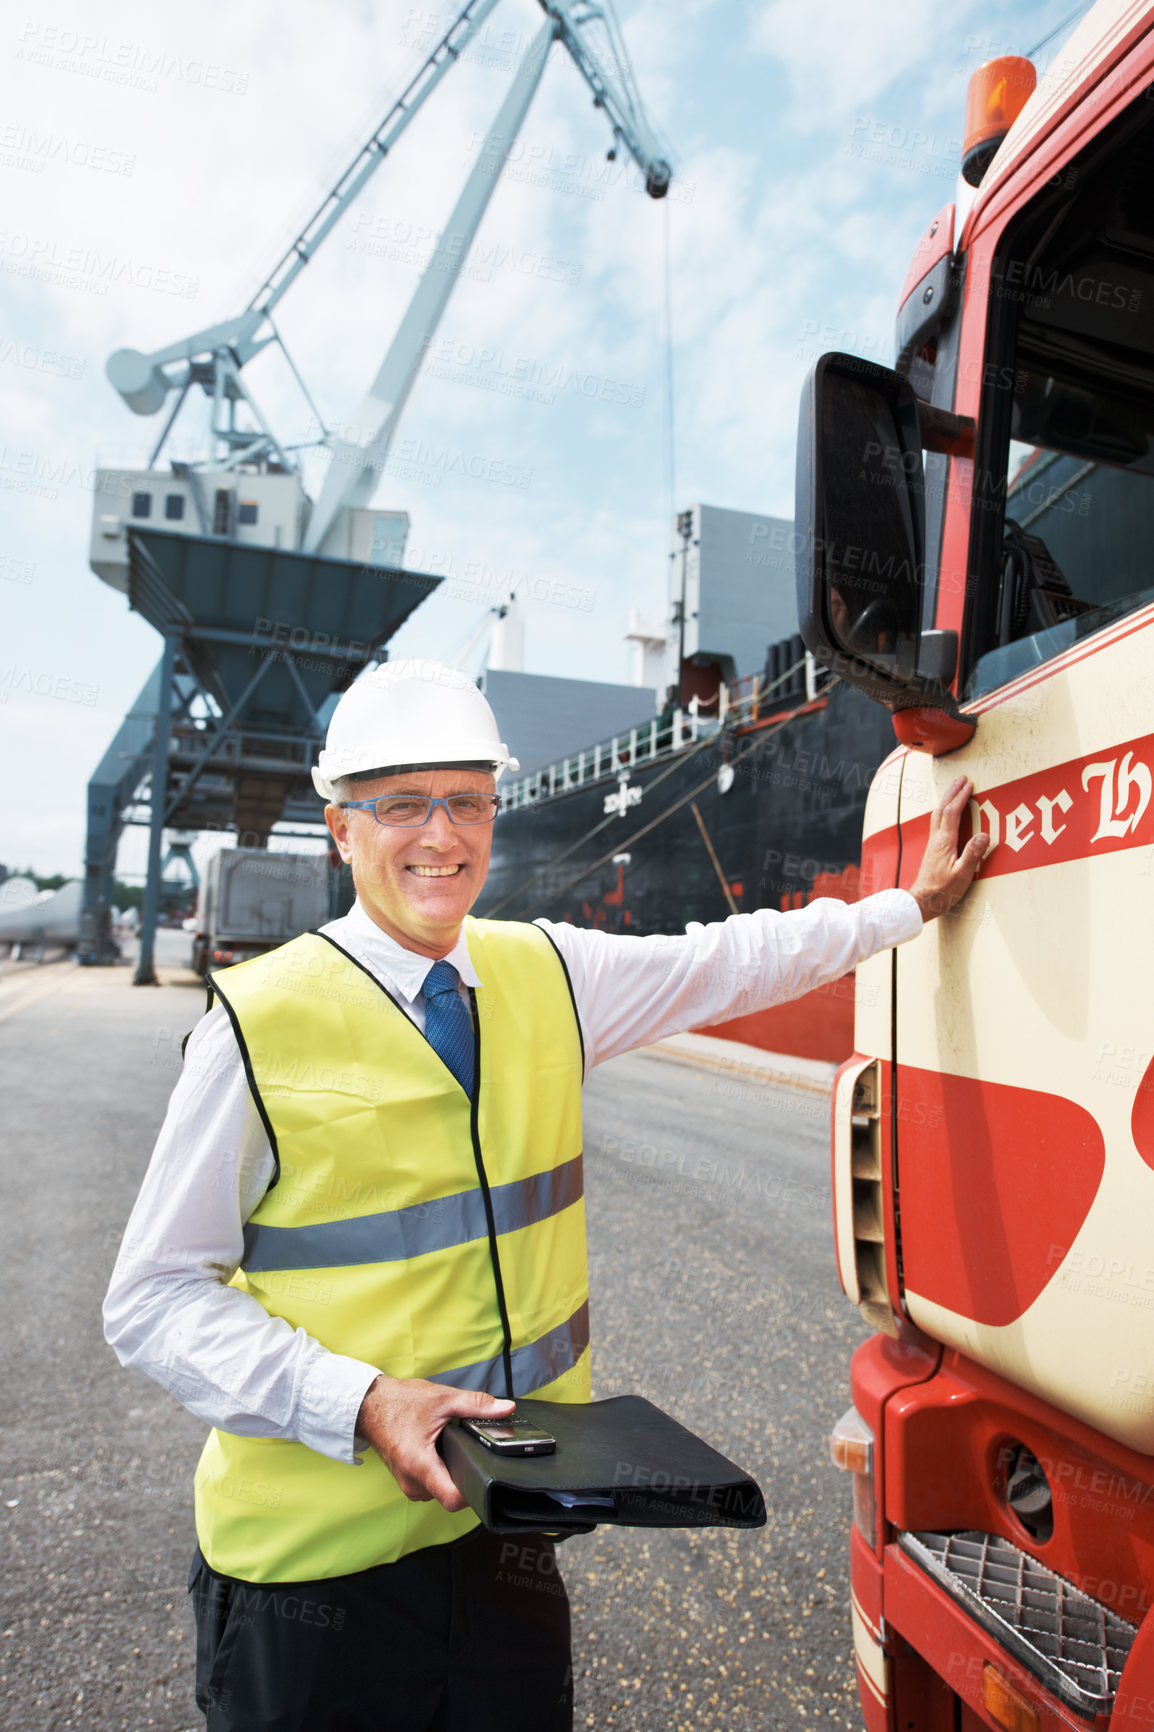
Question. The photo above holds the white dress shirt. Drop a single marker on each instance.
(169, 1311)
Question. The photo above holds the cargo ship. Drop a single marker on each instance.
(693, 818)
(746, 790)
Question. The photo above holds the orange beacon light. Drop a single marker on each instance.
(995, 96)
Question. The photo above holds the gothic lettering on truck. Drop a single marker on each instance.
(978, 527)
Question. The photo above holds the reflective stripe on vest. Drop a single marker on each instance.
(375, 1239)
(415, 1231)
(533, 1366)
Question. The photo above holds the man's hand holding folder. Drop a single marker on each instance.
(621, 1461)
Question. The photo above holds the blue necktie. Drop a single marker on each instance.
(448, 1025)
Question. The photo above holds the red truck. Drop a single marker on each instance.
(979, 534)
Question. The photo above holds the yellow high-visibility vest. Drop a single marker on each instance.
(408, 1227)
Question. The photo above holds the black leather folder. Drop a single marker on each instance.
(620, 1461)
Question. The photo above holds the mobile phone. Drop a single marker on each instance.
(511, 1436)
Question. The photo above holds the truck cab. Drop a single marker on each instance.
(979, 528)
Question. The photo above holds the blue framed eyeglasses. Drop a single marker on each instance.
(410, 811)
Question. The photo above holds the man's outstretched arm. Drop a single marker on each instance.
(633, 991)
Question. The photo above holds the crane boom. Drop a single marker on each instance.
(370, 156)
(359, 455)
(613, 84)
(144, 381)
(214, 357)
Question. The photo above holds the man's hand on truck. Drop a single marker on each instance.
(945, 875)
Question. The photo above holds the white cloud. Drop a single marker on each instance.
(841, 54)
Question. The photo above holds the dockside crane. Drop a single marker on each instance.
(214, 358)
(242, 542)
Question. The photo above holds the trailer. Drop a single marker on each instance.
(251, 900)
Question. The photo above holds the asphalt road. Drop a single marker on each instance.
(713, 1293)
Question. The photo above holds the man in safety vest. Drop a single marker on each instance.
(364, 1216)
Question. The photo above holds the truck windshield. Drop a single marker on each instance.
(1072, 348)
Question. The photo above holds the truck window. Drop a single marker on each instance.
(1064, 530)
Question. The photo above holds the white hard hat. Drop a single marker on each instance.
(410, 715)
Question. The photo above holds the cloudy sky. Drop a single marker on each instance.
(155, 158)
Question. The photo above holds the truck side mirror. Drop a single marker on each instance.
(861, 521)
(860, 515)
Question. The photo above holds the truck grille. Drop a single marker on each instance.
(1073, 1645)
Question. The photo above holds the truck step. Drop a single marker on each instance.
(1072, 1644)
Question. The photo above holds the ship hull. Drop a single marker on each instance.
(786, 829)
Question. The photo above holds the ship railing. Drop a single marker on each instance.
(791, 677)
(610, 759)
(735, 704)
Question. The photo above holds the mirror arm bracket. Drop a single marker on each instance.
(943, 431)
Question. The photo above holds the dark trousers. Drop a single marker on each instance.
(473, 1635)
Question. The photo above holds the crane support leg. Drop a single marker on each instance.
(145, 971)
(111, 788)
